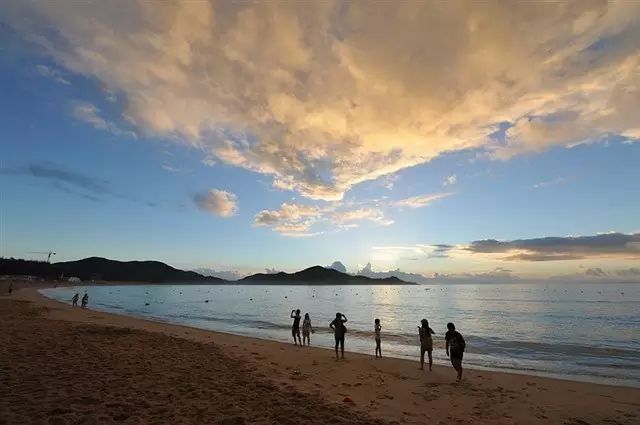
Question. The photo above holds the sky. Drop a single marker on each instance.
(460, 140)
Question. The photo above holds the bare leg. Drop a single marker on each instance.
(337, 350)
(430, 360)
(342, 347)
(421, 359)
(457, 365)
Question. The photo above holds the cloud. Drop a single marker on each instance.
(52, 73)
(226, 275)
(450, 181)
(272, 271)
(88, 113)
(293, 220)
(170, 168)
(595, 272)
(337, 265)
(72, 182)
(496, 275)
(325, 96)
(421, 200)
(632, 271)
(218, 202)
(547, 183)
(301, 220)
(606, 245)
(407, 277)
(375, 215)
(63, 179)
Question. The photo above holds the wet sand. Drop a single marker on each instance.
(62, 365)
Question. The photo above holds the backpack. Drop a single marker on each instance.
(456, 343)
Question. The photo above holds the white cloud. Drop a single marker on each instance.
(170, 168)
(51, 73)
(324, 96)
(450, 181)
(552, 182)
(88, 113)
(374, 215)
(421, 200)
(218, 202)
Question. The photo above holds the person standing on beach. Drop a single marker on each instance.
(339, 330)
(85, 300)
(295, 328)
(10, 288)
(426, 343)
(377, 328)
(74, 300)
(307, 329)
(455, 346)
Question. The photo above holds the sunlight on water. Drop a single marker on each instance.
(583, 332)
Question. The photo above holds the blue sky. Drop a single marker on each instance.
(121, 159)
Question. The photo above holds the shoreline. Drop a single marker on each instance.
(389, 388)
(586, 379)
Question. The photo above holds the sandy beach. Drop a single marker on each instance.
(63, 365)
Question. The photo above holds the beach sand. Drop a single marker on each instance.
(60, 365)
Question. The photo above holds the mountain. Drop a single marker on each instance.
(319, 274)
(96, 268)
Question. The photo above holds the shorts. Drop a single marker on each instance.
(456, 355)
(295, 331)
(426, 348)
(339, 340)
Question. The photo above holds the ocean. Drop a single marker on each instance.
(585, 332)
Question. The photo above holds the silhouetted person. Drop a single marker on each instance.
(455, 346)
(307, 329)
(85, 300)
(339, 329)
(426, 343)
(377, 328)
(295, 328)
(10, 288)
(75, 299)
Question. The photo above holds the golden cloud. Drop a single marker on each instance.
(323, 96)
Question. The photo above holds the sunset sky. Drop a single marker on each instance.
(434, 137)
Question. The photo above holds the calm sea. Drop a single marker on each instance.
(587, 332)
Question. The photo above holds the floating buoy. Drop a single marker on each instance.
(206, 301)
(146, 303)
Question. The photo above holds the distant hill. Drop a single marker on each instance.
(96, 268)
(319, 274)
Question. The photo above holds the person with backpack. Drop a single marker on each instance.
(339, 330)
(455, 346)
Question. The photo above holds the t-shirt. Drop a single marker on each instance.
(338, 326)
(456, 341)
(296, 321)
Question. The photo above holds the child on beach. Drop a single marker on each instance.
(295, 328)
(74, 300)
(377, 328)
(339, 329)
(85, 300)
(307, 329)
(455, 346)
(426, 343)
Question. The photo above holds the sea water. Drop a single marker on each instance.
(588, 332)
